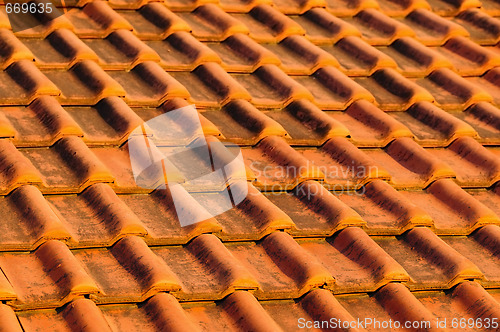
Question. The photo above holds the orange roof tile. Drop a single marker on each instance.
(369, 132)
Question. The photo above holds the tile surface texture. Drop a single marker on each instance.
(370, 134)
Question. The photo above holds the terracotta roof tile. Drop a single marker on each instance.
(300, 57)
(78, 167)
(432, 126)
(269, 78)
(331, 96)
(306, 124)
(377, 28)
(419, 248)
(210, 22)
(432, 29)
(181, 51)
(358, 58)
(370, 126)
(266, 24)
(209, 85)
(467, 300)
(392, 90)
(385, 210)
(321, 27)
(25, 82)
(240, 53)
(483, 28)
(12, 49)
(96, 20)
(409, 165)
(154, 21)
(413, 59)
(349, 8)
(242, 123)
(327, 213)
(147, 84)
(451, 8)
(36, 25)
(61, 49)
(369, 136)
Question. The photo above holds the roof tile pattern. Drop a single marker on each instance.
(385, 112)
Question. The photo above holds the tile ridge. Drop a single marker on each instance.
(472, 151)
(63, 267)
(193, 48)
(83, 314)
(281, 24)
(107, 18)
(221, 82)
(377, 20)
(305, 269)
(247, 312)
(150, 270)
(256, 121)
(478, 302)
(402, 305)
(283, 154)
(449, 193)
(41, 219)
(117, 216)
(87, 167)
(284, 84)
(415, 158)
(209, 250)
(68, 44)
(402, 87)
(408, 214)
(455, 266)
(315, 119)
(15, 168)
(323, 202)
(339, 83)
(430, 20)
(244, 45)
(343, 151)
(444, 122)
(361, 50)
(322, 305)
(55, 118)
(373, 117)
(12, 49)
(119, 115)
(91, 74)
(32, 80)
(152, 74)
(359, 247)
(422, 54)
(133, 47)
(167, 313)
(307, 50)
(213, 15)
(339, 27)
(163, 18)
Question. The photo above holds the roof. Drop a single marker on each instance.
(386, 111)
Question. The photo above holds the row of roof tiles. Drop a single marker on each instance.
(70, 166)
(338, 8)
(278, 267)
(31, 219)
(241, 310)
(44, 122)
(239, 53)
(209, 85)
(264, 23)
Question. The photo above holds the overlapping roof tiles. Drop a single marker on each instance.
(407, 91)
